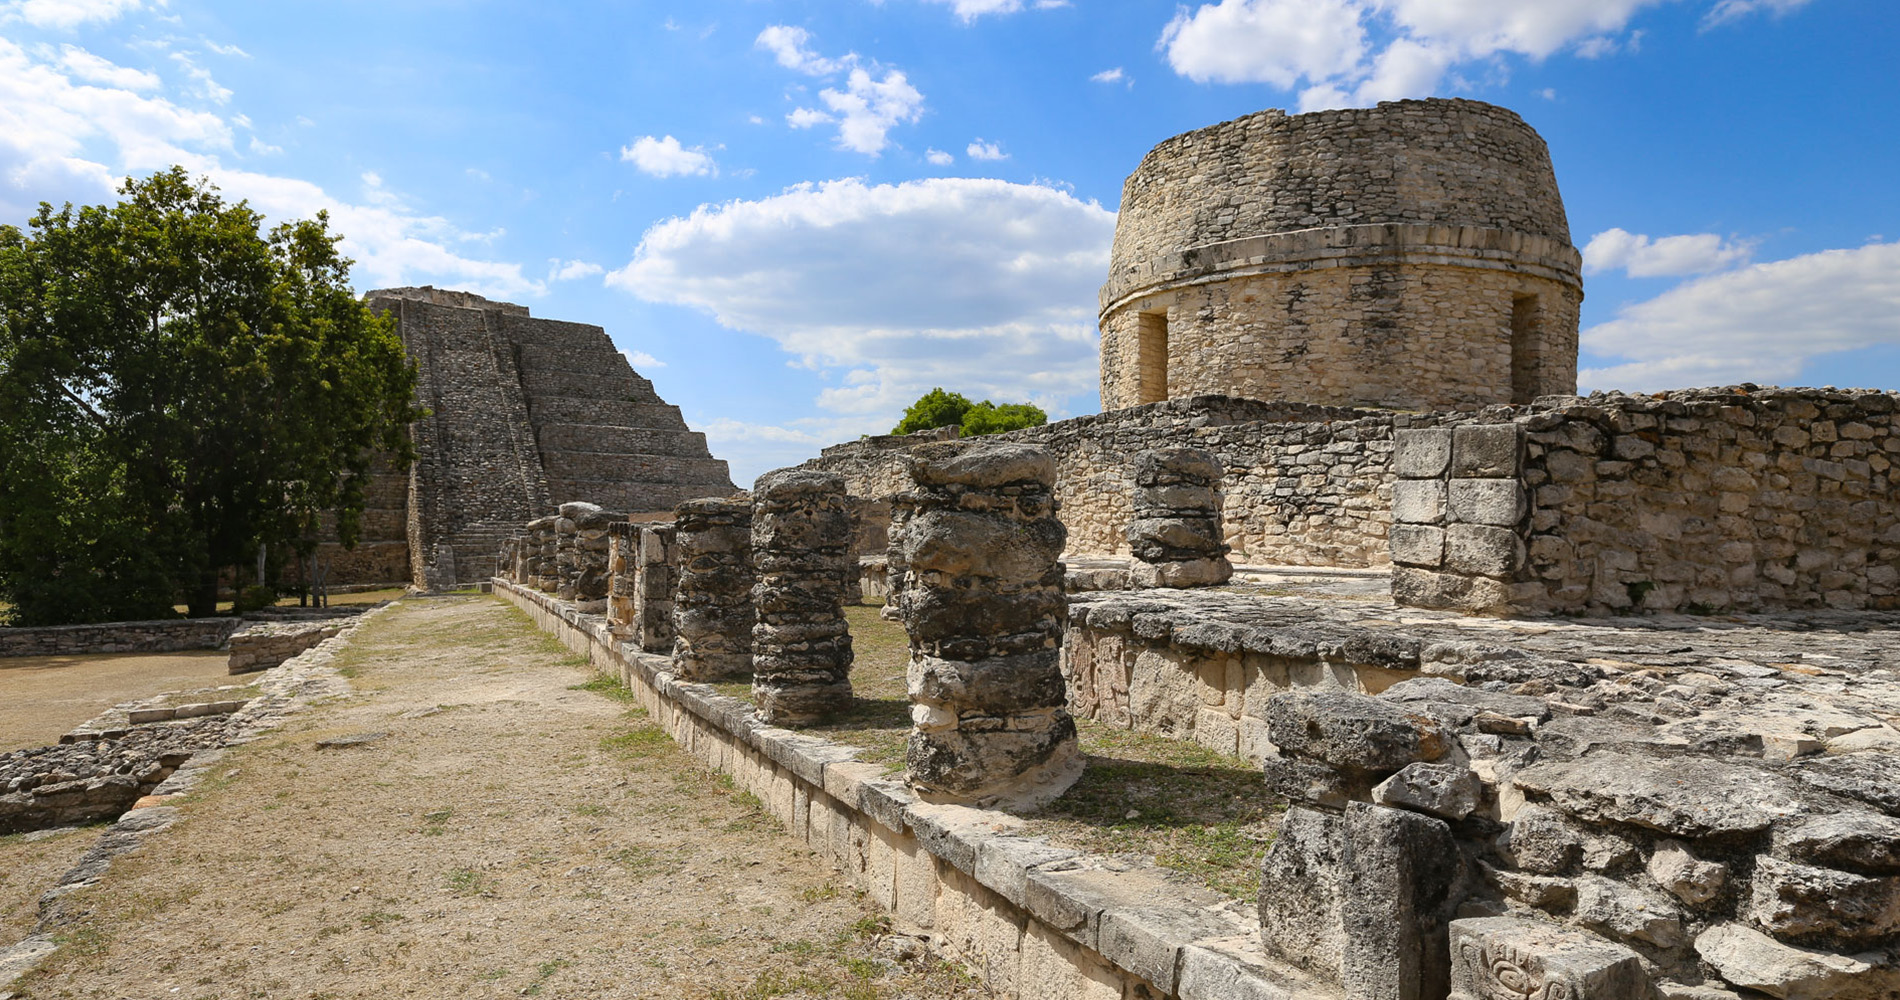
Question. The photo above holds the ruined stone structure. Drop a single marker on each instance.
(801, 549)
(656, 579)
(1413, 255)
(712, 609)
(982, 603)
(524, 414)
(1176, 532)
(623, 543)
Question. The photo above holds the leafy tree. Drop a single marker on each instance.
(988, 418)
(935, 408)
(178, 388)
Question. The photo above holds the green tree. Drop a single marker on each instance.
(989, 418)
(179, 387)
(935, 408)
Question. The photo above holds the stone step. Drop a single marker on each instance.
(623, 387)
(610, 438)
(636, 499)
(567, 409)
(629, 467)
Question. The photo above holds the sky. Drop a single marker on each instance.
(796, 217)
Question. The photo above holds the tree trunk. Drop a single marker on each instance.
(204, 602)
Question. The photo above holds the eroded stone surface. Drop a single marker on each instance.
(801, 645)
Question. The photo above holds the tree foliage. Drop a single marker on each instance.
(179, 387)
(938, 408)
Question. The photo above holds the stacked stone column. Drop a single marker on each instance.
(623, 543)
(982, 601)
(505, 558)
(540, 552)
(801, 646)
(566, 558)
(656, 577)
(591, 544)
(894, 566)
(712, 605)
(1176, 531)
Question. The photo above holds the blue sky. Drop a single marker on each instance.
(796, 217)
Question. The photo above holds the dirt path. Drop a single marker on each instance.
(43, 697)
(511, 835)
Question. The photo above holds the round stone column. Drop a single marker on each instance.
(801, 646)
(1176, 531)
(982, 601)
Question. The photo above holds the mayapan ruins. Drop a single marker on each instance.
(1565, 698)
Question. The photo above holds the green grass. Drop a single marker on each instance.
(608, 686)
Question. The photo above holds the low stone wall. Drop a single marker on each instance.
(1034, 920)
(1700, 500)
(167, 636)
(1304, 485)
(263, 646)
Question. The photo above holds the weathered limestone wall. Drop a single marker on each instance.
(164, 636)
(1697, 500)
(1303, 485)
(1414, 254)
(265, 645)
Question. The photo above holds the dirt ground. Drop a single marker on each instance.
(42, 697)
(517, 831)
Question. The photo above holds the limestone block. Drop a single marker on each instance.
(1181, 573)
(1421, 454)
(1424, 588)
(1677, 869)
(1797, 902)
(1448, 791)
(1542, 841)
(1864, 842)
(1686, 796)
(1419, 501)
(1752, 960)
(1354, 733)
(1482, 550)
(1626, 912)
(1511, 958)
(1497, 502)
(1418, 545)
(1486, 451)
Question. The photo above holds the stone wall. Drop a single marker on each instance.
(1304, 485)
(1414, 254)
(166, 636)
(1697, 500)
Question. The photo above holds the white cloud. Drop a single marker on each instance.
(790, 45)
(980, 150)
(66, 14)
(261, 148)
(207, 88)
(1109, 76)
(97, 69)
(224, 50)
(938, 157)
(62, 140)
(980, 285)
(1761, 323)
(970, 10)
(665, 157)
(1356, 52)
(866, 110)
(1668, 256)
(638, 359)
(572, 270)
(1730, 10)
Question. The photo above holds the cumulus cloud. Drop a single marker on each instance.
(83, 65)
(572, 270)
(1109, 76)
(1356, 52)
(1761, 323)
(638, 359)
(66, 14)
(978, 284)
(866, 110)
(64, 139)
(791, 46)
(980, 150)
(204, 86)
(938, 157)
(665, 157)
(868, 106)
(970, 10)
(1667, 256)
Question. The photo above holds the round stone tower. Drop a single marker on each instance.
(1412, 255)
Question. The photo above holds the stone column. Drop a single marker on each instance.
(591, 543)
(982, 601)
(623, 543)
(505, 558)
(566, 559)
(540, 547)
(894, 567)
(712, 607)
(655, 578)
(1176, 531)
(801, 646)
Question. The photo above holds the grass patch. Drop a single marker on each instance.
(1179, 804)
(466, 882)
(640, 741)
(611, 687)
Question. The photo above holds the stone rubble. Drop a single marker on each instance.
(801, 549)
(982, 602)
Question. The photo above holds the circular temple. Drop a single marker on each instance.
(1411, 255)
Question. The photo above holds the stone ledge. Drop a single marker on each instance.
(1145, 932)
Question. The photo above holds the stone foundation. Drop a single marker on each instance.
(261, 647)
(164, 636)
